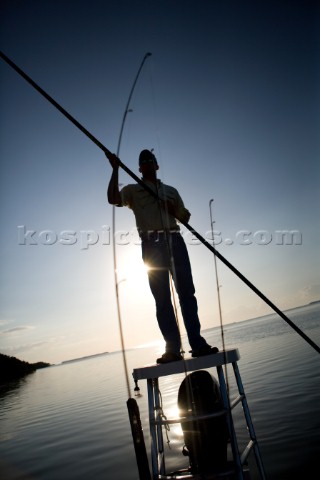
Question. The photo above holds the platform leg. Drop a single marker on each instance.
(247, 415)
(233, 437)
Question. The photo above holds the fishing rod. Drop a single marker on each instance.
(132, 406)
(126, 111)
(216, 272)
(109, 154)
(218, 295)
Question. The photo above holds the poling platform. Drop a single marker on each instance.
(187, 365)
(197, 415)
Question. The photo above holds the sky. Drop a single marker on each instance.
(229, 100)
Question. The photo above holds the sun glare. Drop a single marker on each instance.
(132, 269)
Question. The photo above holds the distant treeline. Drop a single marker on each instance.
(11, 368)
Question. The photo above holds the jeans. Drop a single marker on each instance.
(155, 253)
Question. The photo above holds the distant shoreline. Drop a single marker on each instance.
(11, 368)
(265, 315)
(84, 358)
(311, 303)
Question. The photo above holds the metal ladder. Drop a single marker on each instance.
(156, 421)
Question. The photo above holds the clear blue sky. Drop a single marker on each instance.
(229, 100)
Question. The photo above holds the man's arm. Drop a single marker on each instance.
(114, 196)
(177, 209)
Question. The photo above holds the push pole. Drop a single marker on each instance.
(108, 153)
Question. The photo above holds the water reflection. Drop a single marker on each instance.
(10, 389)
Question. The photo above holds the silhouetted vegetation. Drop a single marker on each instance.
(11, 368)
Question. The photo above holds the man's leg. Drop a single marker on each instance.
(155, 256)
(182, 275)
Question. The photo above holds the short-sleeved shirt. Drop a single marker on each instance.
(148, 213)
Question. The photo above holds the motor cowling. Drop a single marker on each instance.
(205, 439)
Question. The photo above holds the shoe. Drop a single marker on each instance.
(169, 357)
(203, 351)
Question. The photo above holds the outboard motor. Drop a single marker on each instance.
(205, 439)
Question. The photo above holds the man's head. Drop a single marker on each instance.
(147, 161)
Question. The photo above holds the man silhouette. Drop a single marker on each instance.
(164, 251)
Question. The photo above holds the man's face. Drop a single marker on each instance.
(148, 165)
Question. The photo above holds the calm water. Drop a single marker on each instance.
(70, 421)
